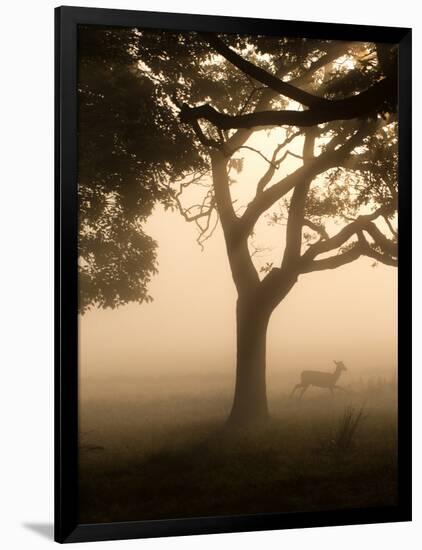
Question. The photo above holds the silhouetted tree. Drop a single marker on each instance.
(195, 100)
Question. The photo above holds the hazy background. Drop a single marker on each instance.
(347, 314)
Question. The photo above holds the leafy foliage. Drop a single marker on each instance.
(130, 144)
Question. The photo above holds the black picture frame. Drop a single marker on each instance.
(67, 527)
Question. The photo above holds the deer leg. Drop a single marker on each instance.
(331, 390)
(294, 389)
(303, 391)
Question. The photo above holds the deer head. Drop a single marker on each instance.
(340, 366)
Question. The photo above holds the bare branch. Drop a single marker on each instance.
(195, 217)
(259, 250)
(204, 209)
(204, 232)
(195, 178)
(290, 138)
(271, 162)
(267, 177)
(274, 163)
(329, 158)
(294, 155)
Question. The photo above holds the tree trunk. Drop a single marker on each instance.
(250, 396)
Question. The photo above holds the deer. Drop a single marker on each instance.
(320, 379)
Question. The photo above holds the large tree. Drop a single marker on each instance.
(203, 99)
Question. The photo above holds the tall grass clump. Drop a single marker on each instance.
(344, 436)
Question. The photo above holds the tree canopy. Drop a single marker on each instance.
(130, 144)
(165, 118)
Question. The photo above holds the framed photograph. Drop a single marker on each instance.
(233, 236)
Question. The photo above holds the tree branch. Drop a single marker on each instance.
(333, 52)
(261, 75)
(318, 228)
(365, 223)
(334, 261)
(203, 138)
(361, 223)
(387, 246)
(390, 226)
(274, 163)
(371, 101)
(204, 231)
(222, 191)
(267, 177)
(382, 258)
(204, 211)
(347, 257)
(243, 270)
(309, 170)
(271, 162)
(297, 207)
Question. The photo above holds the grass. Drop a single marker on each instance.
(344, 439)
(145, 457)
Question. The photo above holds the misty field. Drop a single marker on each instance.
(157, 448)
